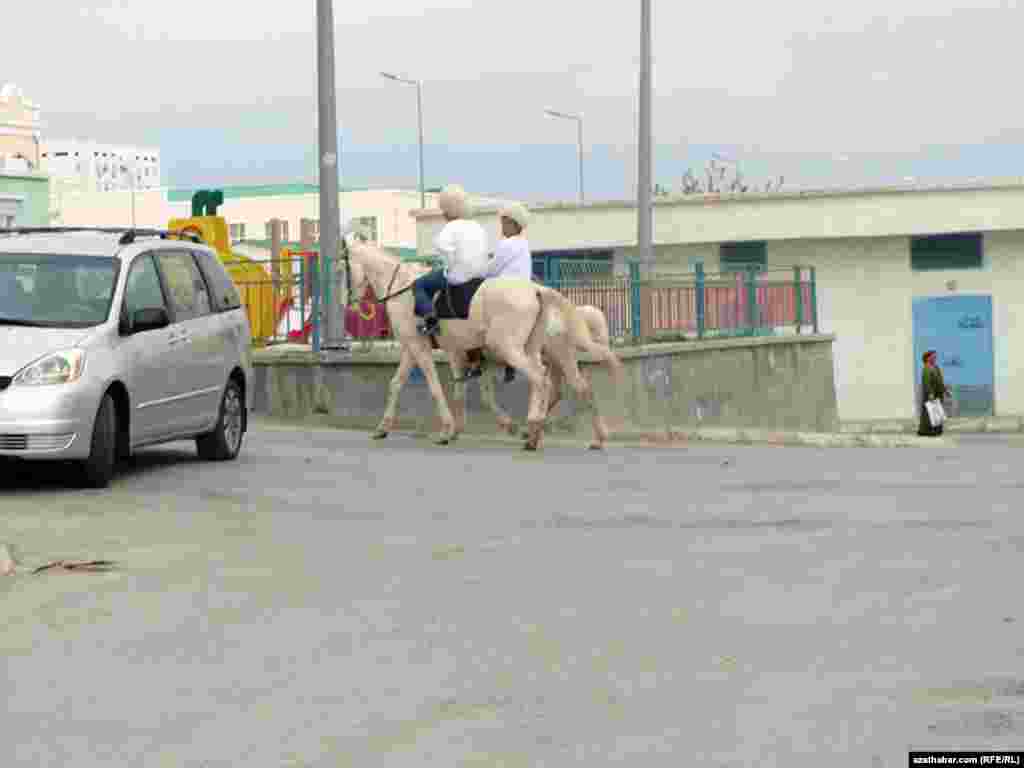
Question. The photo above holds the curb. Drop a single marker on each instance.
(771, 437)
(994, 425)
(672, 436)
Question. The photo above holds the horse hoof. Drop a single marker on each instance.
(442, 440)
(529, 446)
(380, 434)
(595, 447)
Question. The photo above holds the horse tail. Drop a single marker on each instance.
(579, 331)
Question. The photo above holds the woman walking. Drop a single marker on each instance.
(933, 387)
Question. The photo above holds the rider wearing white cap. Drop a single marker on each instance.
(462, 244)
(511, 259)
(512, 254)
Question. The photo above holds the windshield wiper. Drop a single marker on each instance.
(26, 323)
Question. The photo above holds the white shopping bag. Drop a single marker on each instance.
(936, 413)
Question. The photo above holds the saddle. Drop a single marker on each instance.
(454, 301)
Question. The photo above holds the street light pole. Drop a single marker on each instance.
(419, 121)
(579, 140)
(327, 109)
(643, 203)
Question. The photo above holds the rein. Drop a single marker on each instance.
(353, 300)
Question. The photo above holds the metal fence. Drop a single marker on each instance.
(283, 300)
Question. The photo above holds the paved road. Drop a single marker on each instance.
(328, 601)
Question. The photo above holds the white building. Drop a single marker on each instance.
(384, 214)
(101, 167)
(898, 271)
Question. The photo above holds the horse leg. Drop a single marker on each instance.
(527, 360)
(568, 363)
(457, 362)
(405, 363)
(425, 360)
(487, 388)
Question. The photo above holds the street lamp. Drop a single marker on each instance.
(579, 138)
(419, 119)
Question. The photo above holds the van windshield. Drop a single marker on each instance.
(56, 291)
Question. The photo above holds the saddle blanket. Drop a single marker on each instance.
(453, 303)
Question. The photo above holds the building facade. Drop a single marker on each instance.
(20, 136)
(384, 214)
(898, 271)
(101, 167)
(24, 200)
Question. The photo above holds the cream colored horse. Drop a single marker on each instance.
(507, 317)
(560, 355)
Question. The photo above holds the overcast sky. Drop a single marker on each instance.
(822, 91)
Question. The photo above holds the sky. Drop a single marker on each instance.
(822, 92)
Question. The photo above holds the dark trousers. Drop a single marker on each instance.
(425, 288)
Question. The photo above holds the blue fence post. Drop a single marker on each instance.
(325, 286)
(751, 281)
(814, 301)
(634, 299)
(798, 287)
(314, 291)
(555, 265)
(699, 268)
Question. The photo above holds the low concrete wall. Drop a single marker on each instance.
(776, 383)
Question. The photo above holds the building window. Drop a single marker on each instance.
(738, 257)
(367, 225)
(938, 252)
(237, 232)
(284, 232)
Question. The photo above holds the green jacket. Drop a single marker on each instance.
(932, 384)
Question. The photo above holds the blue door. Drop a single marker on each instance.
(959, 328)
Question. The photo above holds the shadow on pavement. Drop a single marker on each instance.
(26, 477)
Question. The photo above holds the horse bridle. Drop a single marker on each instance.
(388, 295)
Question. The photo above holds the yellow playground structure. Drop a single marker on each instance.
(268, 290)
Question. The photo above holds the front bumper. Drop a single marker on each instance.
(47, 422)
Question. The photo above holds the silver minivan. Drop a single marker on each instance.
(114, 340)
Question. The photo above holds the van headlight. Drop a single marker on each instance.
(63, 367)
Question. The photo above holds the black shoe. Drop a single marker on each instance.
(429, 327)
(510, 374)
(473, 372)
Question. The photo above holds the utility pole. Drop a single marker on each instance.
(330, 214)
(643, 203)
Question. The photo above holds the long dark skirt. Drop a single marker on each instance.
(924, 427)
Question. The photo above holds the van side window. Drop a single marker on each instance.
(189, 295)
(225, 292)
(142, 290)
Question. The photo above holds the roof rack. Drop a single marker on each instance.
(128, 234)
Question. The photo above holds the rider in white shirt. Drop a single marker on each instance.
(462, 244)
(512, 255)
(511, 258)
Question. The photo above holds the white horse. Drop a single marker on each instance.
(508, 317)
(559, 354)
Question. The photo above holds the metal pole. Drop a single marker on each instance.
(327, 103)
(579, 143)
(419, 115)
(644, 214)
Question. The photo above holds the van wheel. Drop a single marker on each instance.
(98, 469)
(225, 442)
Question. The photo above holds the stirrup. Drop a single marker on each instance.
(429, 327)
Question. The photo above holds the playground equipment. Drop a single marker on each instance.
(268, 289)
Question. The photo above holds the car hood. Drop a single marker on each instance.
(19, 345)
